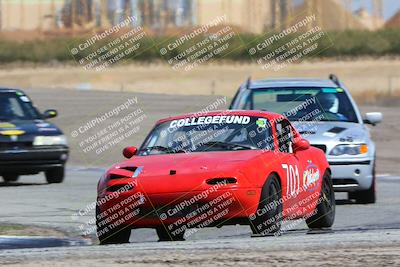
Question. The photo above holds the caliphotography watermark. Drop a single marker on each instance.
(300, 39)
(266, 221)
(111, 46)
(110, 128)
(107, 213)
(189, 50)
(197, 211)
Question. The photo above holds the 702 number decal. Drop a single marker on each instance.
(292, 179)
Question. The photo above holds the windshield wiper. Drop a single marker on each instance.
(163, 149)
(331, 120)
(227, 145)
(160, 148)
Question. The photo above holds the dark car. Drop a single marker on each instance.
(28, 143)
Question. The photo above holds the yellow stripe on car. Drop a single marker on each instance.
(12, 132)
(7, 125)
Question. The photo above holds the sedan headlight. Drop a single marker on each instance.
(50, 140)
(350, 149)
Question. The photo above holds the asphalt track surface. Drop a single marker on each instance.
(373, 230)
(362, 234)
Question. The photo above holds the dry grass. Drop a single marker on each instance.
(369, 80)
(380, 98)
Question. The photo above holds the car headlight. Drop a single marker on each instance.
(350, 149)
(50, 140)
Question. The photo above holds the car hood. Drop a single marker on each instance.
(324, 132)
(183, 172)
(26, 130)
(190, 162)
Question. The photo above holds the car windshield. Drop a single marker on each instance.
(16, 106)
(208, 133)
(303, 104)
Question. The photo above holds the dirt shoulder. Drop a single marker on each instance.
(345, 248)
(23, 230)
(381, 256)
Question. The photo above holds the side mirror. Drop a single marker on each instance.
(50, 113)
(373, 118)
(301, 144)
(129, 152)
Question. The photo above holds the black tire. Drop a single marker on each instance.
(325, 210)
(165, 235)
(108, 235)
(366, 196)
(268, 218)
(10, 177)
(55, 175)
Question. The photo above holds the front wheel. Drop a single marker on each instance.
(109, 234)
(324, 214)
(268, 217)
(165, 235)
(55, 175)
(10, 177)
(366, 196)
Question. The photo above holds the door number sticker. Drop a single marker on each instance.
(292, 179)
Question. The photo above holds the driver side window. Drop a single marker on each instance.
(285, 136)
(16, 107)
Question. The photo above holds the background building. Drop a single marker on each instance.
(255, 16)
(29, 15)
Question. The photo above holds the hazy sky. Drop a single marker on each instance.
(390, 7)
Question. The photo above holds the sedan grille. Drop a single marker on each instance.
(15, 145)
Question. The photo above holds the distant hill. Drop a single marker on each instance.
(394, 22)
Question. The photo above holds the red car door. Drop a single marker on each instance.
(292, 168)
(310, 178)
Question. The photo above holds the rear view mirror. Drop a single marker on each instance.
(129, 152)
(301, 144)
(373, 118)
(50, 113)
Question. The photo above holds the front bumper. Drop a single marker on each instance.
(179, 210)
(351, 176)
(32, 160)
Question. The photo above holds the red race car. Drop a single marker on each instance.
(213, 169)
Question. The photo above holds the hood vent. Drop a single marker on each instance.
(117, 176)
(336, 130)
(129, 168)
(120, 188)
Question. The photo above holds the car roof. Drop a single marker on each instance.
(291, 82)
(10, 90)
(255, 113)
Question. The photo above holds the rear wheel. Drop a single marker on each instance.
(55, 175)
(268, 218)
(10, 177)
(366, 196)
(107, 234)
(325, 211)
(165, 235)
